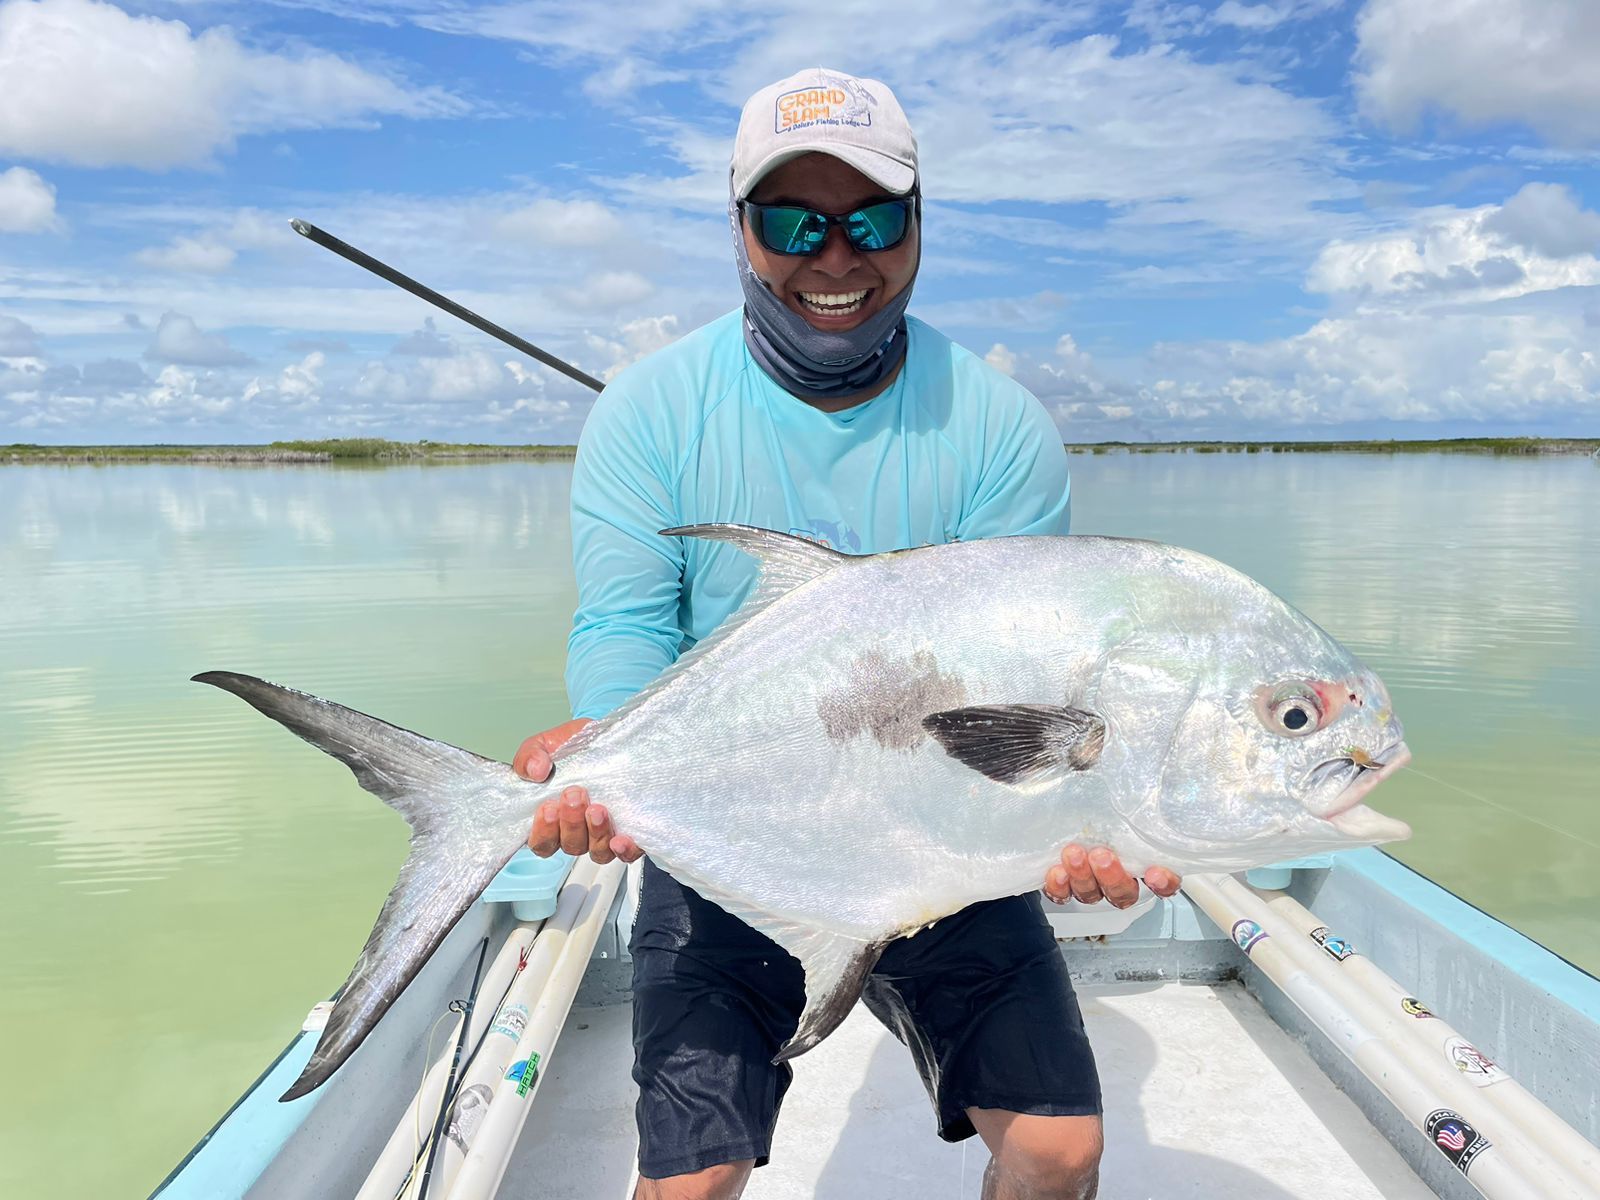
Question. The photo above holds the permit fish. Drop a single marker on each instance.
(874, 742)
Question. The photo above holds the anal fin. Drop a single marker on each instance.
(836, 965)
(836, 970)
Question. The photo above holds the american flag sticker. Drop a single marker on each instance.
(1456, 1138)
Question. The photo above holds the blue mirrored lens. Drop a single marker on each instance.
(878, 226)
(793, 230)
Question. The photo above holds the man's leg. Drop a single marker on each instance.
(1039, 1158)
(713, 1001)
(725, 1182)
(984, 1003)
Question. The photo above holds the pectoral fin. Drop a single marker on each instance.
(1020, 743)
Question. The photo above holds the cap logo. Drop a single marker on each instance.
(846, 102)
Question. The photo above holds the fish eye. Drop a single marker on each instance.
(1291, 711)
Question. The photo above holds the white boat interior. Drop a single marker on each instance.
(1241, 1059)
(1205, 1096)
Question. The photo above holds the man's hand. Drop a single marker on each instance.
(1098, 874)
(570, 823)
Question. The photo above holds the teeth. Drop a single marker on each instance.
(834, 304)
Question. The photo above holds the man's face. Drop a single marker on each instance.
(824, 288)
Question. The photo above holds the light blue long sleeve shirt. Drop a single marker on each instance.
(952, 450)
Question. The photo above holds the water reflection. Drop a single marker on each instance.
(160, 835)
(1465, 582)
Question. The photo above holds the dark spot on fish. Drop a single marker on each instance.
(887, 698)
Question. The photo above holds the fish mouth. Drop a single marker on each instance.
(1347, 813)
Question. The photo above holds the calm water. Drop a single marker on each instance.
(180, 880)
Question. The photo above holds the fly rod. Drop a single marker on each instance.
(362, 259)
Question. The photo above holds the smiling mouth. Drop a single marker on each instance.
(833, 304)
(1353, 818)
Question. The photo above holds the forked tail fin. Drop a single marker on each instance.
(457, 846)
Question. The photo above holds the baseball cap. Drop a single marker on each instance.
(858, 121)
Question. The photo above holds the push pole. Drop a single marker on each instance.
(384, 271)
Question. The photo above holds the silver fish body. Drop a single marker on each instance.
(873, 743)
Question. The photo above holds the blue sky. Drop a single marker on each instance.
(1280, 218)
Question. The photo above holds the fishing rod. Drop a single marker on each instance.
(384, 271)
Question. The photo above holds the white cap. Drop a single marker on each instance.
(857, 121)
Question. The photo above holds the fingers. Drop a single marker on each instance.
(563, 824)
(1080, 875)
(1090, 876)
(600, 835)
(570, 811)
(544, 839)
(1057, 886)
(577, 826)
(1115, 883)
(1162, 881)
(532, 759)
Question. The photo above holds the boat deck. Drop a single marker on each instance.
(1205, 1097)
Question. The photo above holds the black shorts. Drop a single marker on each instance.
(982, 999)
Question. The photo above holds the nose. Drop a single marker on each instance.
(838, 257)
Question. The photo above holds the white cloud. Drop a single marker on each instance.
(470, 377)
(188, 395)
(426, 342)
(201, 255)
(17, 338)
(1547, 219)
(298, 386)
(1001, 359)
(561, 223)
(179, 340)
(88, 84)
(609, 290)
(1394, 366)
(635, 340)
(1483, 62)
(1486, 253)
(1013, 100)
(27, 202)
(1166, 20)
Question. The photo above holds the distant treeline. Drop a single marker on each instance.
(373, 450)
(381, 450)
(1517, 445)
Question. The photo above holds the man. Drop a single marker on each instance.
(821, 409)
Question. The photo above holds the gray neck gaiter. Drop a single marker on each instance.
(804, 360)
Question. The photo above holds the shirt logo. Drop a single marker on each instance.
(839, 102)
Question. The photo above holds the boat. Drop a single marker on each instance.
(1338, 1026)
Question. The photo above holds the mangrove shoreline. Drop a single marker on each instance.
(380, 451)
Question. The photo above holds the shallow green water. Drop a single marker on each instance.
(180, 880)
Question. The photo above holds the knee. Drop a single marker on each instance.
(724, 1181)
(1054, 1163)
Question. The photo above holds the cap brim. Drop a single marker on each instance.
(892, 175)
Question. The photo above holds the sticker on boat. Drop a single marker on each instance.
(469, 1112)
(511, 1021)
(1472, 1062)
(1246, 934)
(525, 1073)
(1338, 948)
(1457, 1140)
(1413, 1007)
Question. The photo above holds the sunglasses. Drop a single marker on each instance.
(790, 229)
